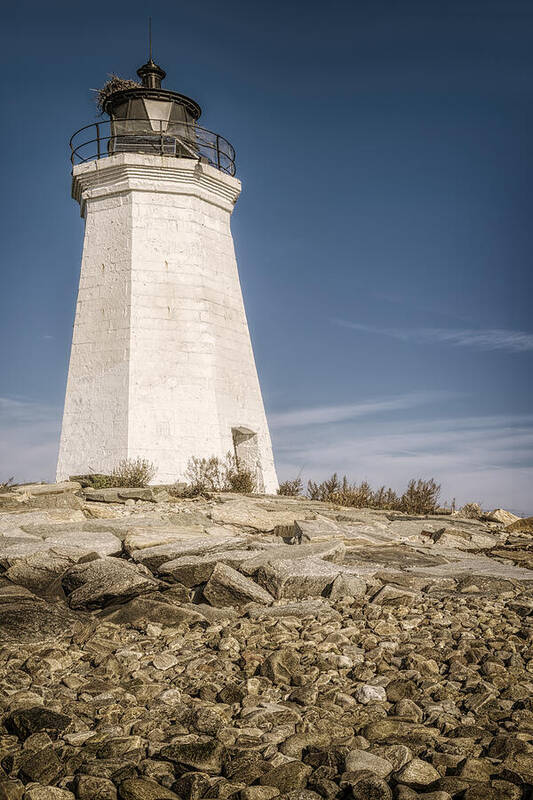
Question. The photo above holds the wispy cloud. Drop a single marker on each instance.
(489, 339)
(488, 459)
(321, 415)
(29, 436)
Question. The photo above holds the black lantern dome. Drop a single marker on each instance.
(149, 109)
(145, 118)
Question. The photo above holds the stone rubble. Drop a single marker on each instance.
(260, 647)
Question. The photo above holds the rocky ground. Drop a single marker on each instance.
(155, 648)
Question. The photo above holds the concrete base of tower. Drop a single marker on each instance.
(161, 365)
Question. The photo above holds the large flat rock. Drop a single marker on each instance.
(248, 513)
(460, 539)
(298, 578)
(357, 534)
(22, 519)
(121, 494)
(140, 538)
(328, 551)
(12, 550)
(193, 570)
(42, 489)
(105, 544)
(119, 527)
(476, 565)
(153, 557)
(319, 530)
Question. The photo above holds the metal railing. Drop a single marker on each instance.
(155, 137)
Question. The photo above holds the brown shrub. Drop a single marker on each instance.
(420, 497)
(212, 474)
(292, 488)
(133, 473)
(471, 511)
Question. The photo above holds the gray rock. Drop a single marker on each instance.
(122, 494)
(22, 519)
(390, 595)
(366, 785)
(42, 767)
(41, 571)
(40, 489)
(346, 585)
(154, 557)
(26, 618)
(328, 551)
(100, 582)
(318, 530)
(501, 516)
(218, 615)
(288, 777)
(205, 756)
(142, 789)
(306, 577)
(248, 513)
(464, 540)
(227, 587)
(300, 794)
(100, 542)
(11, 789)
(193, 570)
(524, 525)
(89, 787)
(47, 793)
(258, 793)
(281, 666)
(193, 785)
(13, 550)
(316, 608)
(27, 721)
(418, 773)
(139, 538)
(367, 693)
(145, 608)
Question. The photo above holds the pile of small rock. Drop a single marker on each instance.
(258, 647)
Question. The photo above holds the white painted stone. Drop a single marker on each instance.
(161, 365)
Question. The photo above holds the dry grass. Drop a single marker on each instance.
(420, 497)
(133, 473)
(5, 485)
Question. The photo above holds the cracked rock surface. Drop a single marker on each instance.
(260, 647)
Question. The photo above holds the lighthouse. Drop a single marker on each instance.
(161, 363)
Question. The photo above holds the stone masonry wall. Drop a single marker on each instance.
(173, 318)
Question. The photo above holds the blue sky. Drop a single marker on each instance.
(384, 231)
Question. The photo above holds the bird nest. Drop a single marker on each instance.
(112, 85)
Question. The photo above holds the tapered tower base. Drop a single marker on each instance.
(161, 365)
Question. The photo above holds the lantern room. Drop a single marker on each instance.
(145, 118)
(149, 118)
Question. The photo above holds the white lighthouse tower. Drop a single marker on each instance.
(161, 365)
